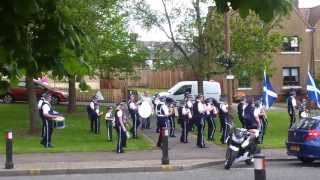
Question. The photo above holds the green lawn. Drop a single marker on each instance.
(74, 138)
(276, 134)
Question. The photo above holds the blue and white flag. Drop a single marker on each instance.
(312, 91)
(268, 94)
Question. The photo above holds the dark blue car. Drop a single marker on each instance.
(304, 139)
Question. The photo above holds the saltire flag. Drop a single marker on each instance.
(268, 94)
(313, 92)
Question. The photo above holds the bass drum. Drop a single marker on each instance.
(145, 110)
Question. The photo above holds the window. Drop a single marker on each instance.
(244, 80)
(183, 89)
(290, 76)
(290, 44)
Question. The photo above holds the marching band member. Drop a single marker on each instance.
(186, 116)
(156, 102)
(93, 113)
(109, 123)
(41, 100)
(172, 120)
(200, 110)
(146, 122)
(263, 120)
(292, 104)
(121, 128)
(211, 114)
(225, 121)
(162, 112)
(241, 107)
(47, 115)
(133, 110)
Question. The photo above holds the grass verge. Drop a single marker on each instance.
(74, 138)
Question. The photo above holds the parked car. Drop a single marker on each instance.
(211, 89)
(304, 139)
(19, 93)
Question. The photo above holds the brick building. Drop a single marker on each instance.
(301, 45)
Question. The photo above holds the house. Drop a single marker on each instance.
(301, 48)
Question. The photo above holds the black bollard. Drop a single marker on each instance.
(259, 167)
(164, 147)
(9, 163)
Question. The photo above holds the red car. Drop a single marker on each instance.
(19, 93)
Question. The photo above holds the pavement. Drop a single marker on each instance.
(182, 157)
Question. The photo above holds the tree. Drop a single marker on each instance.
(109, 47)
(193, 30)
(33, 34)
(255, 43)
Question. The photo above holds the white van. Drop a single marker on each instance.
(211, 89)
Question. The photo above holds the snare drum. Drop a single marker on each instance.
(59, 122)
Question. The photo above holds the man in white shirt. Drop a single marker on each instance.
(146, 99)
(162, 112)
(200, 118)
(47, 116)
(133, 110)
(292, 104)
(109, 123)
(121, 129)
(93, 113)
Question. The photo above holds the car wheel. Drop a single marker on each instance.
(8, 98)
(306, 160)
(54, 100)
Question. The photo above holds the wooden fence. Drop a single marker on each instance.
(151, 79)
(110, 95)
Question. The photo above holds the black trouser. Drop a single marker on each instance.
(264, 124)
(185, 130)
(43, 128)
(226, 127)
(158, 124)
(211, 127)
(135, 124)
(122, 138)
(92, 118)
(201, 126)
(241, 120)
(146, 123)
(172, 126)
(48, 124)
(96, 125)
(109, 130)
(163, 125)
(292, 118)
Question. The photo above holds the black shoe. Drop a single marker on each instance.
(42, 142)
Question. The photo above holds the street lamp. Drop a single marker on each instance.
(312, 30)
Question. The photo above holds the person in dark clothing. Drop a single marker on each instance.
(162, 112)
(121, 129)
(133, 110)
(211, 114)
(241, 106)
(292, 104)
(199, 114)
(47, 114)
(225, 121)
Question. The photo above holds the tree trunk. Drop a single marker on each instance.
(72, 94)
(32, 102)
(200, 85)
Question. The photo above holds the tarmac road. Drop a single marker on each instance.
(276, 170)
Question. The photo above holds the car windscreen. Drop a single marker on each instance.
(307, 124)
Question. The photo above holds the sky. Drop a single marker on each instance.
(156, 35)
